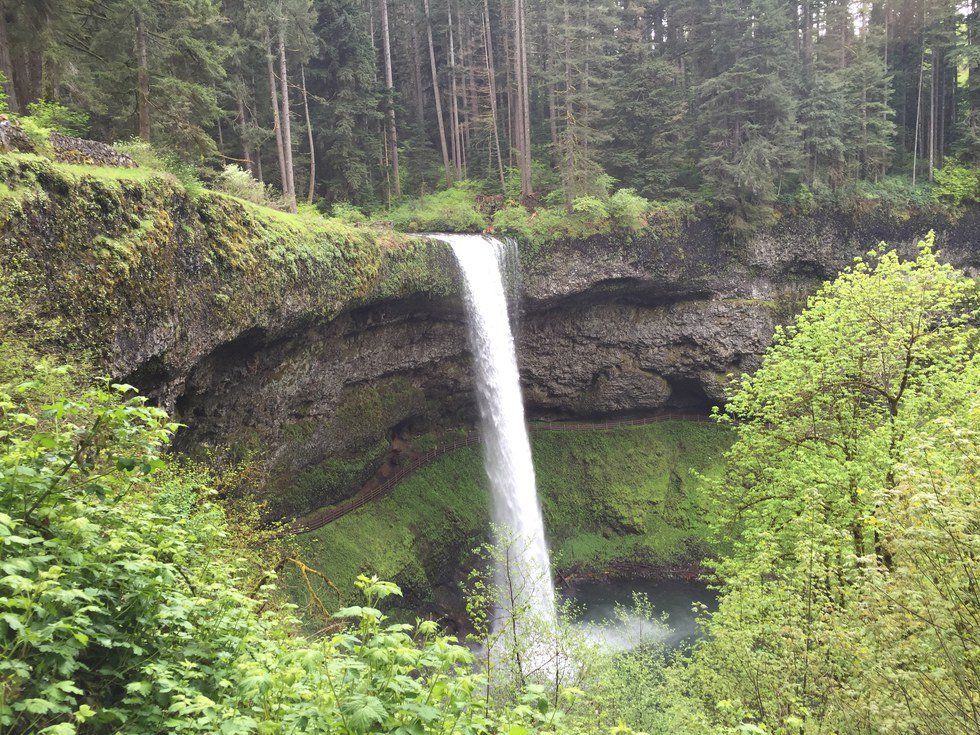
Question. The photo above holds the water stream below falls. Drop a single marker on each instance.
(525, 573)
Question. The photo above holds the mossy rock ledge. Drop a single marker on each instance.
(309, 344)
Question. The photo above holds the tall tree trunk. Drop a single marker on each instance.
(454, 100)
(435, 94)
(527, 101)
(509, 86)
(941, 110)
(492, 79)
(918, 116)
(417, 72)
(550, 74)
(243, 127)
(287, 138)
(276, 125)
(932, 111)
(523, 103)
(309, 137)
(142, 78)
(390, 102)
(471, 75)
(806, 41)
(6, 63)
(569, 115)
(258, 144)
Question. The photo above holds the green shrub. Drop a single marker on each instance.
(38, 135)
(627, 210)
(240, 183)
(349, 213)
(452, 210)
(148, 156)
(666, 219)
(895, 191)
(591, 209)
(552, 223)
(59, 118)
(957, 183)
(514, 219)
(123, 606)
(804, 200)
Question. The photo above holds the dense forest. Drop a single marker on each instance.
(742, 103)
(343, 343)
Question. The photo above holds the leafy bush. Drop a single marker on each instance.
(451, 210)
(627, 210)
(239, 183)
(624, 211)
(38, 135)
(349, 213)
(804, 200)
(849, 506)
(514, 219)
(123, 610)
(957, 183)
(591, 209)
(895, 191)
(59, 118)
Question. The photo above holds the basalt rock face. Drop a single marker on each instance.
(310, 347)
(615, 326)
(607, 327)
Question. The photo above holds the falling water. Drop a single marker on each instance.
(507, 450)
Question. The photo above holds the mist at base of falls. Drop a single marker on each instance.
(623, 614)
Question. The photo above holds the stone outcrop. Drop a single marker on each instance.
(310, 346)
(64, 148)
(606, 328)
(70, 149)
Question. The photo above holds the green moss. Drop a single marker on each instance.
(630, 494)
(367, 410)
(108, 251)
(330, 481)
(410, 536)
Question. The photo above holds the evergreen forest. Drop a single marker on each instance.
(489, 367)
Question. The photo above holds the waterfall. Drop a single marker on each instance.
(506, 447)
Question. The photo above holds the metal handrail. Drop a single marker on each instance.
(368, 493)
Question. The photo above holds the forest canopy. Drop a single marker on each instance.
(741, 103)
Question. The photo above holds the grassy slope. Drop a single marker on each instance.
(623, 495)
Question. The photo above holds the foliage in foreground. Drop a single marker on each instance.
(128, 606)
(849, 599)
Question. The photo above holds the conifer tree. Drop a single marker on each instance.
(584, 59)
(345, 101)
(745, 107)
(649, 136)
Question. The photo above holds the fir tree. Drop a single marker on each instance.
(746, 108)
(647, 146)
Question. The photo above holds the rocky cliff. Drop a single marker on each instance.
(310, 344)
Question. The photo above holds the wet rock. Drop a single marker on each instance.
(313, 366)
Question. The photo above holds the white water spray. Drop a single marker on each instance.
(507, 450)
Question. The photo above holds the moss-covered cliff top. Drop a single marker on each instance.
(93, 255)
(150, 276)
